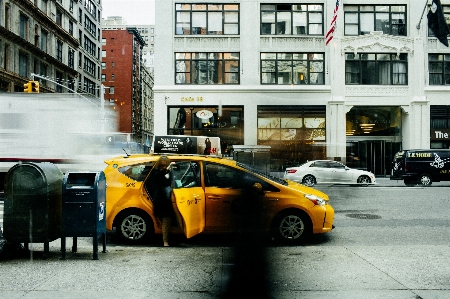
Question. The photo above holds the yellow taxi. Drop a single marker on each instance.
(211, 195)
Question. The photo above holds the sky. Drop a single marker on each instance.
(135, 12)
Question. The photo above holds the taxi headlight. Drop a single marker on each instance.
(316, 199)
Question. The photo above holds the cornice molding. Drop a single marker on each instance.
(377, 42)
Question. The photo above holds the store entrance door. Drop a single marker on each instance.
(372, 155)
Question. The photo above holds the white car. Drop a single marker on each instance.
(327, 171)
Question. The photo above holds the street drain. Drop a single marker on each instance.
(363, 216)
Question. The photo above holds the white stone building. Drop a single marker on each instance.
(264, 75)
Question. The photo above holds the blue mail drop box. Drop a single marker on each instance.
(84, 208)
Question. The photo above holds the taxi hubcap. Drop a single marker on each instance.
(291, 227)
(133, 227)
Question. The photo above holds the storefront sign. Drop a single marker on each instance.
(443, 134)
(204, 114)
(191, 99)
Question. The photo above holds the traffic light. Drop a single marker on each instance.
(34, 86)
(27, 87)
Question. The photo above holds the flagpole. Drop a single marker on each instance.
(425, 7)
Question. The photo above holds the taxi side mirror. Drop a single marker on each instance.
(257, 187)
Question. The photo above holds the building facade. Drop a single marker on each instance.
(126, 82)
(259, 73)
(147, 32)
(59, 40)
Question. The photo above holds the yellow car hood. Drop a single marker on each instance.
(306, 190)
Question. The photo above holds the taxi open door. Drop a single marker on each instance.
(188, 197)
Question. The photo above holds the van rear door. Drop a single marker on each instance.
(398, 166)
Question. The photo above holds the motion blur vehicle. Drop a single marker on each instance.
(328, 171)
(211, 195)
(421, 166)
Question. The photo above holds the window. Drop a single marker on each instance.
(206, 19)
(292, 68)
(59, 48)
(80, 59)
(6, 57)
(59, 79)
(363, 19)
(103, 65)
(103, 77)
(44, 35)
(207, 68)
(439, 69)
(43, 72)
(103, 41)
(23, 26)
(90, 7)
(71, 28)
(103, 53)
(80, 15)
(111, 90)
(295, 133)
(59, 17)
(90, 26)
(71, 58)
(112, 77)
(292, 19)
(137, 172)
(23, 64)
(36, 35)
(112, 64)
(71, 84)
(7, 17)
(89, 86)
(71, 5)
(89, 66)
(89, 46)
(376, 69)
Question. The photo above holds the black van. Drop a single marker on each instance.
(421, 166)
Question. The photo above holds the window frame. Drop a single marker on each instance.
(197, 59)
(441, 61)
(195, 8)
(278, 61)
(361, 72)
(278, 9)
(360, 12)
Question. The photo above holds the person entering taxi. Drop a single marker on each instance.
(160, 192)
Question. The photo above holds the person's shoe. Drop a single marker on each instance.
(166, 244)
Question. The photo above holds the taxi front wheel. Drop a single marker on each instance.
(291, 227)
(134, 226)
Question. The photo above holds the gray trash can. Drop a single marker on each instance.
(84, 208)
(32, 211)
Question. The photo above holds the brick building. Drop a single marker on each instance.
(122, 68)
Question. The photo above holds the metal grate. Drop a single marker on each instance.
(363, 216)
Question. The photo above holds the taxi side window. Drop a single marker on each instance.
(137, 172)
(186, 175)
(227, 177)
(336, 165)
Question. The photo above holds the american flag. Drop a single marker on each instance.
(330, 32)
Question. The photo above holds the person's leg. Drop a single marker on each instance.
(166, 221)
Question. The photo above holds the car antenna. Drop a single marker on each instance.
(125, 152)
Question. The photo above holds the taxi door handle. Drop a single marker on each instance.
(214, 197)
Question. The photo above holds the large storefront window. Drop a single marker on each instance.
(373, 138)
(440, 126)
(295, 134)
(226, 123)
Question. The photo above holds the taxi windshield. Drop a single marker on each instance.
(267, 176)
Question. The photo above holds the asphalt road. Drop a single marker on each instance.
(390, 241)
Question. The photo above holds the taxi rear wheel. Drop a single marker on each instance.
(292, 227)
(425, 180)
(134, 227)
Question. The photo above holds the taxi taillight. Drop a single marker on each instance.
(291, 171)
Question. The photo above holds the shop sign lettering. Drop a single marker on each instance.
(192, 99)
(419, 155)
